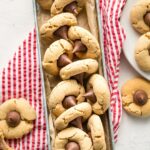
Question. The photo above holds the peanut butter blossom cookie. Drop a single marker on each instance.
(85, 44)
(142, 52)
(58, 55)
(73, 139)
(72, 6)
(57, 26)
(140, 16)
(136, 97)
(96, 132)
(98, 94)
(79, 69)
(16, 118)
(70, 93)
(80, 111)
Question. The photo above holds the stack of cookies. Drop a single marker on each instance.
(82, 94)
(140, 19)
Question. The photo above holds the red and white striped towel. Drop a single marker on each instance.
(21, 78)
(113, 41)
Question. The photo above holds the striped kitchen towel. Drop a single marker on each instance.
(21, 78)
(114, 37)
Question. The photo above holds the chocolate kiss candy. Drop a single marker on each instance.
(72, 146)
(140, 97)
(13, 119)
(62, 32)
(69, 101)
(79, 78)
(79, 47)
(77, 123)
(63, 60)
(90, 95)
(72, 8)
(147, 18)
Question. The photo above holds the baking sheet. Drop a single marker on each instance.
(131, 38)
(48, 79)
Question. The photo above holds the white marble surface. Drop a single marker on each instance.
(16, 21)
(15, 24)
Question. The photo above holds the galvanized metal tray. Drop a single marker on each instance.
(106, 118)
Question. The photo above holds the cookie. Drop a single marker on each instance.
(85, 44)
(57, 56)
(3, 144)
(97, 132)
(45, 4)
(73, 138)
(98, 94)
(136, 97)
(57, 26)
(65, 88)
(142, 52)
(16, 118)
(77, 68)
(71, 6)
(140, 16)
(83, 110)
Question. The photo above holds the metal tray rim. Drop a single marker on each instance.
(42, 76)
(104, 65)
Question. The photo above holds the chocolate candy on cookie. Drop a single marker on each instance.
(135, 97)
(72, 6)
(70, 93)
(140, 97)
(58, 55)
(98, 94)
(68, 102)
(16, 118)
(142, 52)
(85, 44)
(96, 131)
(72, 137)
(140, 16)
(57, 26)
(13, 118)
